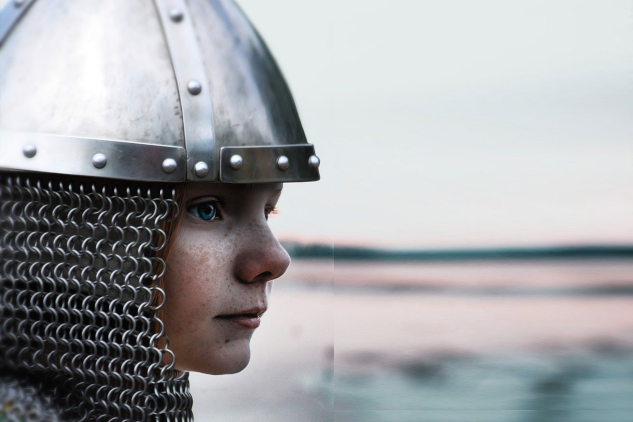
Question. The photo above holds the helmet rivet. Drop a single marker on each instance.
(99, 160)
(201, 169)
(176, 15)
(236, 161)
(314, 162)
(283, 163)
(169, 165)
(29, 151)
(194, 87)
(18, 3)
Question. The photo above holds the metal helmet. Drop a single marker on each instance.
(104, 107)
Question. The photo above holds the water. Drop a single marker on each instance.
(467, 342)
(532, 386)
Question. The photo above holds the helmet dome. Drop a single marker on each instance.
(147, 90)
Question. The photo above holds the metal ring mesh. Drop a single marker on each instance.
(79, 300)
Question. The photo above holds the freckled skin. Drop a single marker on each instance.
(219, 267)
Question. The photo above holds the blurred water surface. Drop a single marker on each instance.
(437, 342)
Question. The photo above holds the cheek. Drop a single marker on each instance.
(195, 282)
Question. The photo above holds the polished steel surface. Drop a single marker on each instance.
(283, 163)
(29, 150)
(10, 14)
(314, 162)
(176, 14)
(169, 165)
(99, 160)
(196, 105)
(194, 87)
(252, 104)
(192, 74)
(201, 168)
(90, 69)
(236, 161)
(76, 156)
(260, 164)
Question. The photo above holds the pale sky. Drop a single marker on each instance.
(459, 123)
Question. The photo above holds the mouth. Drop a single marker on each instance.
(249, 319)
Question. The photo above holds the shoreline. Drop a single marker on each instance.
(563, 274)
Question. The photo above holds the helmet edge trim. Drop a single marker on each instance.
(269, 164)
(90, 157)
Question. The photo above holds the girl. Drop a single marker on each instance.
(143, 145)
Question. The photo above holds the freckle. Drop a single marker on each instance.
(227, 340)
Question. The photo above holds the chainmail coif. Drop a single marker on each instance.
(80, 333)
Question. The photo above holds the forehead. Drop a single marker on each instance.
(194, 190)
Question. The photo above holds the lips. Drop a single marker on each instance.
(249, 319)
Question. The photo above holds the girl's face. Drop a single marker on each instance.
(219, 275)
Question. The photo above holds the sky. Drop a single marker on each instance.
(459, 123)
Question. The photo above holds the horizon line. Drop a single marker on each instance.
(320, 250)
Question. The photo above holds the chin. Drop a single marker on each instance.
(232, 365)
(229, 359)
(232, 368)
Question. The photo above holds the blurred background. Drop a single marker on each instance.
(468, 253)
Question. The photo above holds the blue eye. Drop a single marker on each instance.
(206, 211)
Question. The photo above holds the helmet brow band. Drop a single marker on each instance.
(257, 164)
(91, 157)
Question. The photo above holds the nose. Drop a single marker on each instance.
(261, 258)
